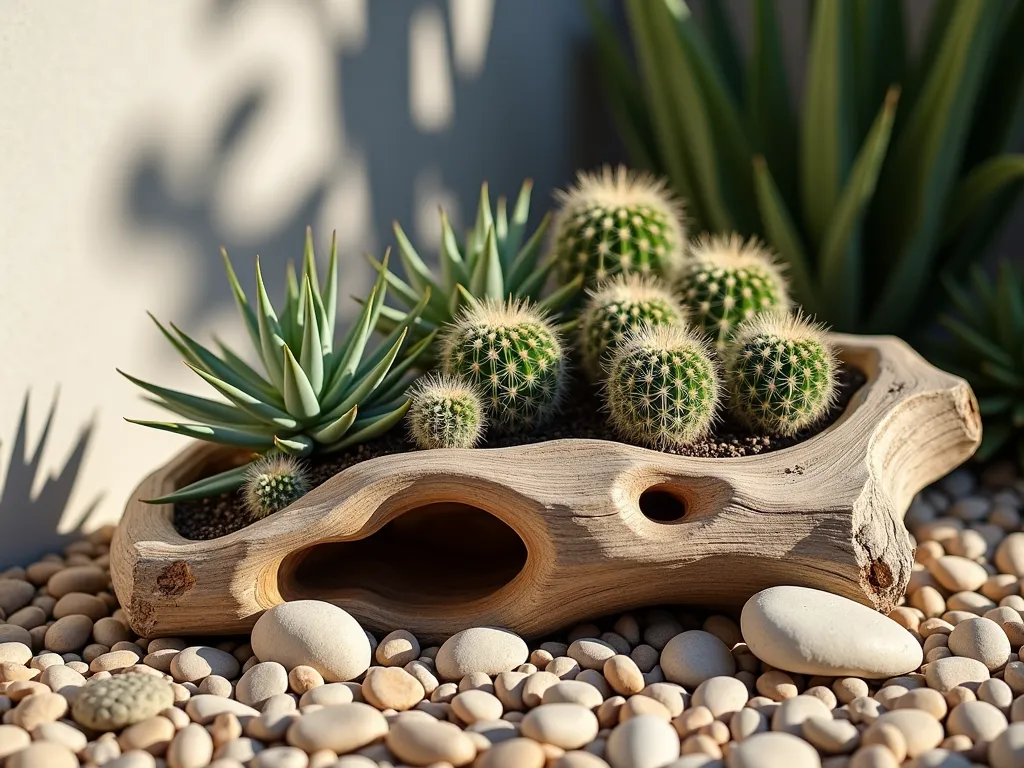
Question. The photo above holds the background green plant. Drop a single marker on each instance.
(894, 170)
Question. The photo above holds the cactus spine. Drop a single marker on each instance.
(662, 388)
(446, 412)
(272, 483)
(513, 354)
(781, 373)
(615, 308)
(728, 281)
(617, 221)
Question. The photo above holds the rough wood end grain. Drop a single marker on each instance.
(537, 537)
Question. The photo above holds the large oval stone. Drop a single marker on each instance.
(817, 633)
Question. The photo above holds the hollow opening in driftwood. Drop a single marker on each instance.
(662, 504)
(445, 553)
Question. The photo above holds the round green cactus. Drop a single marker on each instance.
(662, 388)
(781, 373)
(446, 412)
(514, 356)
(272, 483)
(728, 281)
(617, 221)
(616, 307)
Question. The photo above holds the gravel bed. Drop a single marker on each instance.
(219, 516)
(801, 679)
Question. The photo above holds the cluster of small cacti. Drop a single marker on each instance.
(671, 332)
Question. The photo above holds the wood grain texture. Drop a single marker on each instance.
(537, 537)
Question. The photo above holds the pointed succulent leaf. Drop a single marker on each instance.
(388, 387)
(209, 362)
(330, 296)
(879, 54)
(193, 407)
(517, 226)
(416, 272)
(372, 429)
(333, 431)
(369, 382)
(405, 292)
(487, 281)
(271, 342)
(559, 298)
(251, 324)
(408, 321)
(293, 311)
(526, 260)
(309, 262)
(726, 49)
(295, 445)
(453, 266)
(209, 433)
(222, 482)
(299, 397)
(251, 405)
(976, 341)
(311, 356)
(501, 225)
(246, 371)
(483, 224)
(978, 189)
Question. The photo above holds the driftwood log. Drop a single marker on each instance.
(537, 537)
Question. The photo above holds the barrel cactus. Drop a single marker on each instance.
(662, 387)
(781, 373)
(617, 221)
(728, 280)
(446, 412)
(514, 355)
(616, 307)
(272, 483)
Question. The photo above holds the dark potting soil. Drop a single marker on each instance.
(580, 418)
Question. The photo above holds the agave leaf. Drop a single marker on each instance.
(972, 311)
(351, 351)
(369, 382)
(453, 267)
(993, 440)
(271, 342)
(664, 103)
(184, 351)
(623, 91)
(210, 433)
(559, 298)
(770, 116)
(206, 360)
(223, 482)
(501, 224)
(725, 49)
(826, 140)
(408, 322)
(534, 282)
(391, 318)
(978, 235)
(1009, 309)
(487, 280)
(251, 324)
(299, 396)
(309, 261)
(978, 189)
(335, 430)
(841, 267)
(296, 445)
(783, 236)
(388, 387)
(938, 27)
(880, 56)
(311, 354)
(478, 235)
(193, 407)
(976, 341)
(514, 238)
(291, 315)
(526, 260)
(371, 429)
(416, 272)
(405, 292)
(254, 406)
(925, 163)
(242, 368)
(330, 297)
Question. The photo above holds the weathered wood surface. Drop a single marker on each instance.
(537, 537)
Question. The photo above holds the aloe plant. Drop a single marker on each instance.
(314, 395)
(867, 205)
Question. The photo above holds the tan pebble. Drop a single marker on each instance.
(280, 757)
(977, 720)
(242, 750)
(397, 649)
(889, 694)
(260, 682)
(746, 722)
(535, 686)
(114, 660)
(644, 742)
(424, 674)
(944, 674)
(692, 720)
(215, 685)
(563, 667)
(1007, 749)
(595, 679)
(997, 693)
(958, 695)
(304, 678)
(475, 706)
(192, 747)
(326, 695)
(825, 694)
(70, 633)
(110, 631)
(43, 754)
(167, 643)
(830, 736)
(341, 728)
(968, 602)
(480, 649)
(102, 751)
(22, 689)
(355, 761)
(722, 695)
(889, 736)
(669, 695)
(929, 601)
(1013, 675)
(873, 756)
(908, 618)
(271, 727)
(981, 639)
(45, 660)
(94, 651)
(623, 675)
(152, 735)
(790, 715)
(180, 719)
(476, 681)
(40, 708)
(426, 741)
(935, 654)
(392, 688)
(29, 617)
(573, 692)
(608, 712)
(15, 652)
(513, 753)
(638, 705)
(82, 578)
(568, 726)
(864, 710)
(61, 733)
(773, 750)
(957, 573)
(203, 708)
(40, 572)
(590, 653)
(445, 692)
(654, 676)
(12, 739)
(197, 662)
(724, 628)
(80, 603)
(63, 680)
(11, 672)
(920, 730)
(160, 660)
(692, 657)
(1001, 585)
(1009, 555)
(284, 702)
(508, 687)
(931, 701)
(15, 594)
(777, 686)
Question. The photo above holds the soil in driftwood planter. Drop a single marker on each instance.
(581, 418)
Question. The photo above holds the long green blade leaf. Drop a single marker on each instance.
(251, 324)
(335, 430)
(299, 396)
(976, 192)
(251, 405)
(371, 430)
(223, 482)
(210, 434)
(271, 342)
(725, 48)
(193, 407)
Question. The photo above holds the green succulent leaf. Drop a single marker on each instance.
(211, 433)
(364, 431)
(335, 430)
(223, 482)
(271, 342)
(299, 396)
(311, 353)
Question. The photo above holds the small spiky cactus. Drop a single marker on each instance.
(781, 373)
(617, 221)
(662, 388)
(616, 307)
(446, 412)
(514, 355)
(728, 281)
(272, 483)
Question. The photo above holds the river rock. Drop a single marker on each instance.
(817, 633)
(981, 639)
(315, 634)
(773, 750)
(644, 741)
(116, 702)
(341, 728)
(569, 726)
(692, 657)
(946, 674)
(480, 649)
(1007, 749)
(425, 741)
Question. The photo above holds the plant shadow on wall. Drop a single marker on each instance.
(29, 522)
(393, 144)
